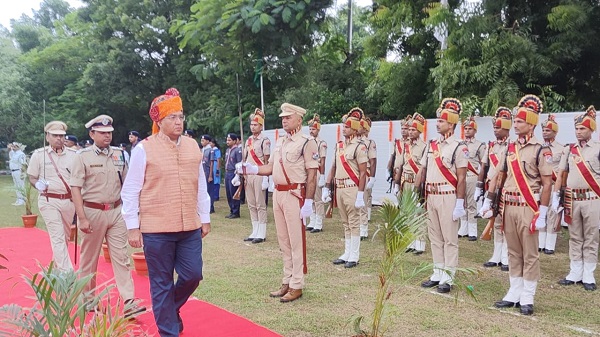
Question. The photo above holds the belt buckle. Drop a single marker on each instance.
(106, 207)
(433, 189)
(581, 195)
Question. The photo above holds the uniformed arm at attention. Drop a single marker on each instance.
(203, 207)
(130, 193)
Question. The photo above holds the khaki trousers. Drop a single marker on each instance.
(58, 216)
(583, 231)
(286, 211)
(107, 225)
(523, 255)
(319, 205)
(443, 231)
(364, 211)
(255, 197)
(470, 204)
(346, 197)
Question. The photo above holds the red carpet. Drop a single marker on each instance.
(24, 248)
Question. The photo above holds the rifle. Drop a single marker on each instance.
(333, 203)
(486, 235)
(561, 196)
(390, 178)
(486, 169)
(238, 192)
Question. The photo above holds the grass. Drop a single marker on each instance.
(239, 275)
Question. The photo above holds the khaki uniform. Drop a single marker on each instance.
(584, 209)
(316, 219)
(547, 236)
(55, 206)
(297, 154)
(100, 175)
(255, 195)
(523, 256)
(355, 152)
(365, 212)
(477, 152)
(399, 152)
(497, 149)
(417, 151)
(441, 199)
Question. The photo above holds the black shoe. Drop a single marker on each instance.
(350, 264)
(309, 229)
(540, 249)
(362, 238)
(339, 261)
(419, 252)
(444, 288)
(527, 309)
(409, 250)
(429, 284)
(491, 264)
(316, 230)
(234, 216)
(548, 251)
(228, 216)
(472, 238)
(180, 321)
(462, 236)
(248, 239)
(506, 304)
(565, 282)
(589, 286)
(258, 240)
(503, 267)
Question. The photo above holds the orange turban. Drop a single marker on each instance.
(588, 119)
(529, 109)
(449, 110)
(258, 116)
(353, 118)
(503, 118)
(164, 105)
(315, 122)
(550, 123)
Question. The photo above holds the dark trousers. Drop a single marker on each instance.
(234, 205)
(165, 253)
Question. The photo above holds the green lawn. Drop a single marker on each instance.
(238, 276)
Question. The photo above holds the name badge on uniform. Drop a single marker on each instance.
(97, 165)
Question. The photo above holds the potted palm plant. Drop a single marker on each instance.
(29, 219)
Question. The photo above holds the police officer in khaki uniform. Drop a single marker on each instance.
(49, 171)
(502, 123)
(410, 165)
(582, 206)
(548, 235)
(446, 169)
(365, 212)
(525, 195)
(294, 165)
(477, 151)
(257, 152)
(316, 218)
(97, 175)
(398, 153)
(350, 173)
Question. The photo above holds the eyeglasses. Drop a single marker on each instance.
(172, 118)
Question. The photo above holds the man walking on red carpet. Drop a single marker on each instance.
(166, 169)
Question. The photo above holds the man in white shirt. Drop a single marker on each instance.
(16, 161)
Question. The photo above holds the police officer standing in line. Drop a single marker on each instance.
(365, 212)
(398, 152)
(548, 235)
(410, 165)
(526, 195)
(468, 225)
(350, 173)
(49, 171)
(206, 162)
(16, 161)
(71, 142)
(232, 157)
(97, 176)
(502, 123)
(446, 164)
(294, 165)
(582, 206)
(257, 152)
(316, 218)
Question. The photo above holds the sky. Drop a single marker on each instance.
(12, 9)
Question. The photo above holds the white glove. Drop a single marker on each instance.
(540, 223)
(321, 182)
(265, 183)
(396, 189)
(306, 209)
(41, 185)
(555, 202)
(325, 197)
(371, 183)
(235, 181)
(486, 209)
(459, 209)
(246, 168)
(272, 186)
(360, 200)
(477, 194)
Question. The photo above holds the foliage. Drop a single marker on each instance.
(402, 224)
(27, 188)
(60, 309)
